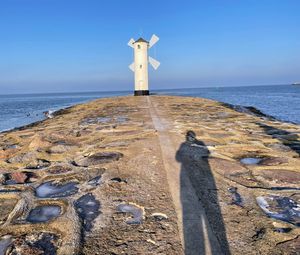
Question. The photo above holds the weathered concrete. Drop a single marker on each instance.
(171, 156)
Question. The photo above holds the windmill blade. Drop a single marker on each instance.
(131, 67)
(154, 39)
(155, 64)
(131, 42)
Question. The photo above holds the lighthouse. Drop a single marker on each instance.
(140, 64)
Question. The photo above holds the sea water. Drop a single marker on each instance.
(19, 110)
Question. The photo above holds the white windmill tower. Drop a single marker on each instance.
(140, 64)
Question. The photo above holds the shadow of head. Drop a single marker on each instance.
(191, 138)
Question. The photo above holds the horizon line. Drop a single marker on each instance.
(129, 91)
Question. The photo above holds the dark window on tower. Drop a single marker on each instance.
(141, 66)
(139, 46)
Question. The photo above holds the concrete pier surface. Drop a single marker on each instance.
(151, 175)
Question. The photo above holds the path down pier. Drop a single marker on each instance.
(195, 231)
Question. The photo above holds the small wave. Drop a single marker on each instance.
(49, 114)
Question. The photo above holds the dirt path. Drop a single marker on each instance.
(189, 209)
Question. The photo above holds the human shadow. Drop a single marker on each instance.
(286, 138)
(196, 175)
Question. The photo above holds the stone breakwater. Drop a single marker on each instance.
(151, 175)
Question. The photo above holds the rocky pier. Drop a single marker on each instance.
(151, 175)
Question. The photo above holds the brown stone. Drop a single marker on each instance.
(273, 161)
(290, 247)
(279, 175)
(19, 177)
(226, 167)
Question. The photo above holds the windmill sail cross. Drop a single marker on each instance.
(154, 39)
(155, 64)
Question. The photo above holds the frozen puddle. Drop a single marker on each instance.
(136, 211)
(96, 120)
(51, 190)
(5, 242)
(103, 119)
(121, 119)
(99, 158)
(95, 181)
(250, 161)
(43, 213)
(88, 209)
(280, 208)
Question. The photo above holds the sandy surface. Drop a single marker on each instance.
(151, 175)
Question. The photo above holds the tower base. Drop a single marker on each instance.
(141, 92)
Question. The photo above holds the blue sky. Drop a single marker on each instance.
(81, 45)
